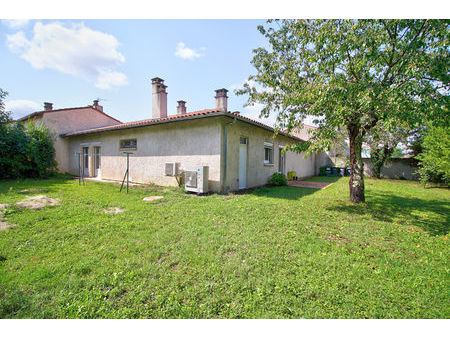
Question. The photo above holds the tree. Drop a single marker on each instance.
(24, 151)
(434, 166)
(383, 141)
(351, 74)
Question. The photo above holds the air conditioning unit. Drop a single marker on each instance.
(197, 181)
(172, 169)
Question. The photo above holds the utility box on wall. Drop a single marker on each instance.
(197, 181)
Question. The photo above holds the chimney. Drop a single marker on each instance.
(97, 106)
(181, 109)
(221, 99)
(159, 98)
(48, 106)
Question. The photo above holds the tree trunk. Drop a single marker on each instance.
(356, 183)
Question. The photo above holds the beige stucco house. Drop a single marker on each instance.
(240, 152)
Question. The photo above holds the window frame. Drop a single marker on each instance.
(268, 146)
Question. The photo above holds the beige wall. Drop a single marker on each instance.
(70, 120)
(191, 143)
(395, 168)
(258, 173)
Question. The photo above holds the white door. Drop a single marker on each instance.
(243, 163)
(86, 161)
(97, 161)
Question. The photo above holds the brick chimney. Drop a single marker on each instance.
(48, 106)
(221, 99)
(181, 109)
(159, 98)
(97, 106)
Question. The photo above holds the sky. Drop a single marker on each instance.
(72, 62)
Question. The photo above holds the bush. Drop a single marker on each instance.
(26, 152)
(434, 166)
(278, 179)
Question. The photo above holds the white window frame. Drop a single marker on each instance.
(268, 146)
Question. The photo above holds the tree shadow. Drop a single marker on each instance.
(284, 192)
(387, 207)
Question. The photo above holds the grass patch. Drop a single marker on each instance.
(272, 252)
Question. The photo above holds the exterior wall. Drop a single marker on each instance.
(191, 143)
(395, 168)
(70, 120)
(303, 167)
(258, 173)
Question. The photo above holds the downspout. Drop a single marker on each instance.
(225, 141)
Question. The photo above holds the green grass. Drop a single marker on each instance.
(273, 252)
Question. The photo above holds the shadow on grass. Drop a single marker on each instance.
(387, 208)
(34, 185)
(324, 179)
(285, 192)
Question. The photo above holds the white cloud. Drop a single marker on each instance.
(109, 79)
(20, 108)
(75, 50)
(184, 52)
(15, 24)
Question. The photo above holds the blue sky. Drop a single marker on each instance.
(72, 62)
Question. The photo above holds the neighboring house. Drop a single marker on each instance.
(240, 152)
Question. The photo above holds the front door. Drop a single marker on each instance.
(281, 161)
(96, 161)
(243, 163)
(86, 161)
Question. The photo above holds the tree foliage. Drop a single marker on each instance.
(25, 151)
(434, 165)
(383, 142)
(352, 74)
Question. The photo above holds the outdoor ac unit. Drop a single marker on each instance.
(197, 181)
(172, 169)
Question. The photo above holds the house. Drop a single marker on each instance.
(240, 152)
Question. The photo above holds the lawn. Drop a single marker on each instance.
(268, 253)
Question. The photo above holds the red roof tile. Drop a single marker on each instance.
(194, 114)
(39, 113)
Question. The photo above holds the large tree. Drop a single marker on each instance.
(351, 74)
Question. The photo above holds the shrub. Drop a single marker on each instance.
(26, 152)
(434, 166)
(278, 179)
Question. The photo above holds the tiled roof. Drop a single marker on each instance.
(174, 118)
(40, 113)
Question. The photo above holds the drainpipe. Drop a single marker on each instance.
(225, 136)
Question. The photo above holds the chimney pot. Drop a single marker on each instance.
(221, 99)
(181, 109)
(97, 106)
(48, 106)
(159, 98)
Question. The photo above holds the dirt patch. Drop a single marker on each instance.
(152, 198)
(31, 191)
(37, 202)
(113, 210)
(3, 206)
(5, 226)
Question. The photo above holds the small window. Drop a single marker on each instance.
(243, 140)
(268, 153)
(128, 144)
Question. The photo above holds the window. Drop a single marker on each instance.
(268, 153)
(128, 144)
